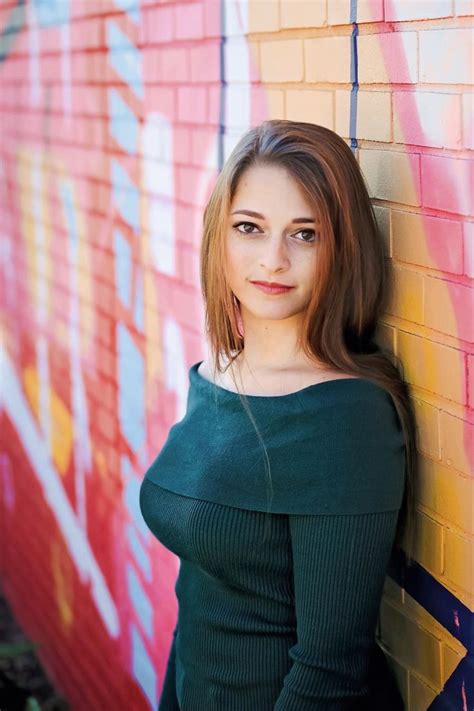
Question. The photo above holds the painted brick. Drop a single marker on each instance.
(408, 295)
(429, 543)
(468, 240)
(253, 57)
(188, 20)
(339, 13)
(459, 560)
(392, 175)
(450, 659)
(236, 59)
(182, 144)
(374, 115)
(427, 118)
(386, 337)
(446, 56)
(421, 695)
(204, 62)
(388, 57)
(445, 374)
(192, 104)
(423, 617)
(449, 308)
(174, 63)
(214, 96)
(203, 137)
(281, 60)
(416, 10)
(382, 216)
(392, 590)
(463, 7)
(468, 120)
(88, 34)
(447, 493)
(212, 20)
(470, 380)
(448, 183)
(263, 16)
(158, 24)
(413, 645)
(311, 106)
(275, 103)
(427, 422)
(327, 59)
(427, 241)
(457, 442)
(302, 13)
(188, 260)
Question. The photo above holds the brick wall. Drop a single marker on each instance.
(115, 119)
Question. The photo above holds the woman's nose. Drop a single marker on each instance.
(275, 254)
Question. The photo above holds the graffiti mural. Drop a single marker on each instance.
(116, 117)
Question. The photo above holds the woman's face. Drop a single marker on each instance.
(280, 244)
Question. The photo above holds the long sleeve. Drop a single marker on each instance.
(168, 698)
(339, 567)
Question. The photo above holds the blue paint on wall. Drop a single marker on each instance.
(51, 12)
(125, 194)
(123, 267)
(131, 7)
(12, 28)
(354, 77)
(131, 380)
(138, 307)
(140, 600)
(142, 666)
(123, 122)
(223, 88)
(131, 498)
(125, 58)
(450, 612)
(139, 553)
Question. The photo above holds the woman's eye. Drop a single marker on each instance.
(238, 224)
(312, 232)
(252, 225)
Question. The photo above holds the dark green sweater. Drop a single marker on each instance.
(279, 612)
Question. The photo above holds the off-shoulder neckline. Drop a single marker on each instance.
(197, 378)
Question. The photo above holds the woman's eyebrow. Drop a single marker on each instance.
(251, 213)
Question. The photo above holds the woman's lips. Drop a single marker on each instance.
(272, 289)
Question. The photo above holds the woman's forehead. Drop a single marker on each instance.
(262, 195)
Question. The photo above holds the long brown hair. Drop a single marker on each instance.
(352, 284)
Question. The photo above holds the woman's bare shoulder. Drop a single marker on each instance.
(288, 381)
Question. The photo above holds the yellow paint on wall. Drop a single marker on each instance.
(100, 462)
(31, 386)
(62, 570)
(432, 366)
(39, 178)
(60, 445)
(33, 190)
(151, 298)
(61, 433)
(82, 264)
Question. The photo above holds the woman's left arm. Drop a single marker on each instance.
(339, 568)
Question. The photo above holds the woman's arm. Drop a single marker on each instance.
(340, 564)
(168, 698)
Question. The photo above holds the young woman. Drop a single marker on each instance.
(290, 478)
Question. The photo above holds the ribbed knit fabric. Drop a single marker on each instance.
(278, 611)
